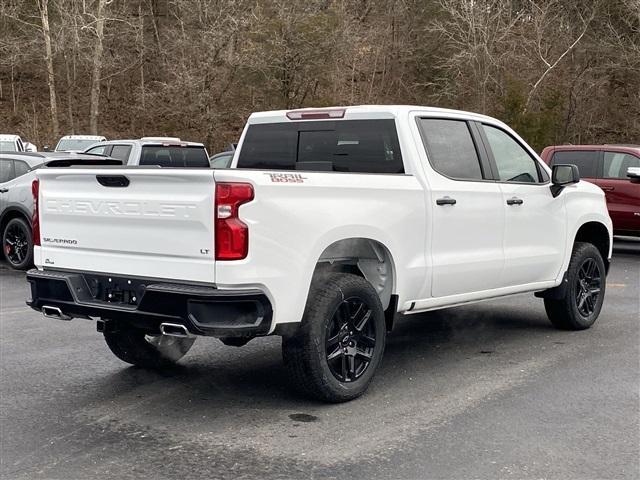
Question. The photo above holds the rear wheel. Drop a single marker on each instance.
(581, 305)
(340, 342)
(139, 348)
(17, 244)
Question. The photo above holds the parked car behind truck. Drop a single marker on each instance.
(13, 143)
(162, 151)
(17, 172)
(329, 224)
(616, 170)
(77, 143)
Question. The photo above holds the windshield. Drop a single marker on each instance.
(66, 145)
(174, 156)
(8, 146)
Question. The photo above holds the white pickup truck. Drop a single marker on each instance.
(328, 224)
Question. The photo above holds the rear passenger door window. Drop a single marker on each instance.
(450, 148)
(6, 171)
(513, 162)
(101, 150)
(20, 168)
(616, 165)
(585, 160)
(121, 152)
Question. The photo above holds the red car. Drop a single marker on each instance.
(608, 167)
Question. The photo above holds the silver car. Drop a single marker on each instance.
(16, 200)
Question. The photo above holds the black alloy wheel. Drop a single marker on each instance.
(17, 244)
(334, 353)
(588, 287)
(583, 296)
(350, 339)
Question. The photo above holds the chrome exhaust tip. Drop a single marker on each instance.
(174, 330)
(54, 312)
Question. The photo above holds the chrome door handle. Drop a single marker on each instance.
(4, 190)
(608, 189)
(446, 201)
(515, 201)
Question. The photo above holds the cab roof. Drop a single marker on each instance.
(151, 141)
(361, 112)
(83, 137)
(607, 146)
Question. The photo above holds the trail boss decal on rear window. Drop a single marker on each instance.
(286, 177)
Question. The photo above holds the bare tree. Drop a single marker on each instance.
(196, 69)
(478, 33)
(96, 71)
(543, 16)
(43, 7)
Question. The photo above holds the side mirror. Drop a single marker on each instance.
(46, 148)
(634, 174)
(563, 175)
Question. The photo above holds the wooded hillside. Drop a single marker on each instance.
(557, 71)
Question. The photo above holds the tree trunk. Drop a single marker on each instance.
(97, 68)
(142, 52)
(70, 91)
(43, 6)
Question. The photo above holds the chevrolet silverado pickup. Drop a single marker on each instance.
(328, 225)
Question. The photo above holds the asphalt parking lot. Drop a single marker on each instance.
(483, 391)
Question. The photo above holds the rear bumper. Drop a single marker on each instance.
(146, 303)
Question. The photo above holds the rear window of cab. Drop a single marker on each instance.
(356, 146)
(174, 156)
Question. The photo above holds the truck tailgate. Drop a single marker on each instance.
(156, 223)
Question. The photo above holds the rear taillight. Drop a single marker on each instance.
(35, 221)
(232, 235)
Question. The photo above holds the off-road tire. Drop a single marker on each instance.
(136, 347)
(305, 352)
(564, 313)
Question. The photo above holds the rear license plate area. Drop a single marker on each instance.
(116, 290)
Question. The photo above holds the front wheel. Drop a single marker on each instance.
(584, 295)
(340, 342)
(137, 347)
